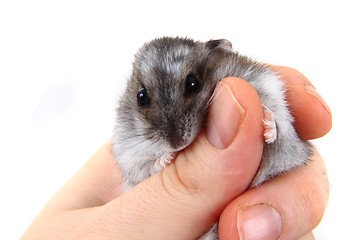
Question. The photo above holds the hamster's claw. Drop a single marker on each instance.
(165, 159)
(270, 132)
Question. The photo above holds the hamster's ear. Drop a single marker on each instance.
(219, 44)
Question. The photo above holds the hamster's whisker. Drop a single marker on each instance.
(213, 96)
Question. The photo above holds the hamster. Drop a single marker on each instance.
(167, 97)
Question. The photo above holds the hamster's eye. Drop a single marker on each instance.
(142, 97)
(192, 85)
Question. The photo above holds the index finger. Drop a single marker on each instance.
(313, 118)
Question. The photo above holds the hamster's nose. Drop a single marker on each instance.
(175, 136)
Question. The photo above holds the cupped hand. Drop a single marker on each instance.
(292, 204)
(210, 178)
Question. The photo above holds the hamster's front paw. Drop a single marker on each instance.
(165, 159)
(270, 132)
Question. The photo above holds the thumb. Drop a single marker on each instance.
(183, 200)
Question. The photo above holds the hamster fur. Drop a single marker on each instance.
(167, 97)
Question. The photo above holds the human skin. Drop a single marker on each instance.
(209, 179)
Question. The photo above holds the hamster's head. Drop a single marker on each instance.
(169, 92)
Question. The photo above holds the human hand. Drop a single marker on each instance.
(300, 196)
(183, 200)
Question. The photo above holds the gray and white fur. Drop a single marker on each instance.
(167, 97)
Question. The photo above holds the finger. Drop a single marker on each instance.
(96, 183)
(184, 199)
(290, 205)
(313, 118)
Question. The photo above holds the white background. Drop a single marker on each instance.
(63, 65)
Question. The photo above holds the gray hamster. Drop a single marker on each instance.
(167, 97)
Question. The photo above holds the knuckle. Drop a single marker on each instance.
(314, 202)
(177, 184)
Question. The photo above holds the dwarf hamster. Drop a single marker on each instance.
(166, 101)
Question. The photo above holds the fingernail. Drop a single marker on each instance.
(224, 118)
(259, 222)
(312, 91)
